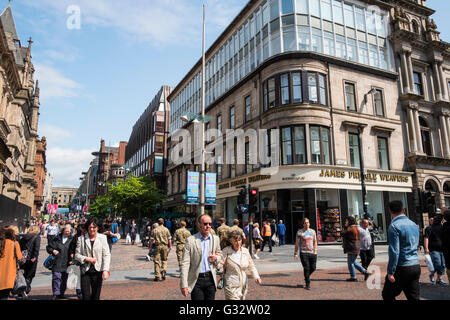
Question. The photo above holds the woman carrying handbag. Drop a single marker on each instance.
(10, 254)
(93, 252)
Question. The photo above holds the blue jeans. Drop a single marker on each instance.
(281, 238)
(437, 258)
(352, 264)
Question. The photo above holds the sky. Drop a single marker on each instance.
(100, 62)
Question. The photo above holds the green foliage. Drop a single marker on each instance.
(133, 198)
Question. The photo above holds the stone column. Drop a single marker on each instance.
(447, 119)
(410, 72)
(417, 127)
(405, 73)
(437, 81)
(444, 86)
(444, 136)
(412, 131)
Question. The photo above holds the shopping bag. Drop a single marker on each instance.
(74, 277)
(128, 239)
(429, 263)
(138, 238)
(20, 283)
(275, 239)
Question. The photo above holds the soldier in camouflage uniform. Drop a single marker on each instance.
(236, 227)
(161, 237)
(180, 237)
(222, 232)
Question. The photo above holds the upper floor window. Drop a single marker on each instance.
(378, 102)
(354, 150)
(426, 136)
(248, 108)
(383, 154)
(320, 145)
(232, 118)
(418, 86)
(219, 123)
(294, 87)
(350, 98)
(293, 145)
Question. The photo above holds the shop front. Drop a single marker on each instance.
(325, 196)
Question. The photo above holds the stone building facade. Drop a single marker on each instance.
(40, 176)
(423, 62)
(63, 196)
(317, 75)
(19, 113)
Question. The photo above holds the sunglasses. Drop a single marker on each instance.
(207, 224)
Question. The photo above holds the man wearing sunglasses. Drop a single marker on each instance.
(200, 257)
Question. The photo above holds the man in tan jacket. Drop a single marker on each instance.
(198, 268)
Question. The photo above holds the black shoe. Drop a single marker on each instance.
(307, 287)
(164, 275)
(157, 279)
(54, 297)
(352, 280)
(61, 296)
(366, 276)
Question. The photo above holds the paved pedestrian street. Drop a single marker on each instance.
(132, 278)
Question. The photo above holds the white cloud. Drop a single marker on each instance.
(53, 134)
(158, 22)
(66, 165)
(58, 55)
(54, 84)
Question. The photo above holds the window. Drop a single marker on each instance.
(232, 118)
(383, 155)
(350, 99)
(159, 145)
(248, 166)
(219, 123)
(286, 145)
(354, 150)
(378, 102)
(297, 87)
(320, 145)
(426, 136)
(418, 87)
(284, 83)
(312, 87)
(248, 108)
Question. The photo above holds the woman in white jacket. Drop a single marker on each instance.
(236, 260)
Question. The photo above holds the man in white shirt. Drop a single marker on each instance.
(366, 253)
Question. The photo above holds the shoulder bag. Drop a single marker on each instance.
(20, 283)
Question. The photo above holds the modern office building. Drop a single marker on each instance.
(318, 80)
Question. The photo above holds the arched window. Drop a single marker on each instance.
(431, 186)
(415, 27)
(447, 193)
(426, 136)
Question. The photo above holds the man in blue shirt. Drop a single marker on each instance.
(403, 271)
(281, 231)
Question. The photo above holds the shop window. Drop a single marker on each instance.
(418, 86)
(350, 98)
(426, 136)
(354, 150)
(320, 145)
(378, 102)
(383, 153)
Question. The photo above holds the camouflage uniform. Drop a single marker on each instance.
(180, 237)
(233, 228)
(161, 237)
(222, 232)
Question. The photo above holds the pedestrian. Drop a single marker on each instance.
(306, 242)
(257, 240)
(236, 260)
(44, 228)
(168, 225)
(366, 253)
(352, 246)
(161, 238)
(81, 231)
(133, 231)
(433, 246)
(9, 254)
(222, 232)
(266, 233)
(52, 231)
(59, 247)
(273, 228)
(446, 241)
(237, 228)
(281, 232)
(93, 252)
(31, 242)
(200, 257)
(180, 238)
(403, 270)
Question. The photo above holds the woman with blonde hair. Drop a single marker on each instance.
(236, 260)
(30, 244)
(257, 240)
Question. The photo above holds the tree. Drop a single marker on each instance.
(101, 208)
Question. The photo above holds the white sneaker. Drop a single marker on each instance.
(256, 257)
(147, 257)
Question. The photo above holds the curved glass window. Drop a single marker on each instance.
(320, 145)
(293, 145)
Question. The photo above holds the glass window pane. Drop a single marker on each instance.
(275, 44)
(289, 40)
(337, 12)
(312, 85)
(383, 153)
(271, 87)
(325, 145)
(316, 38)
(315, 145)
(274, 9)
(351, 50)
(302, 6)
(363, 54)
(284, 82)
(266, 15)
(360, 21)
(286, 145)
(326, 10)
(378, 99)
(296, 87)
(303, 38)
(322, 89)
(300, 148)
(287, 6)
(314, 7)
(348, 16)
(288, 20)
(354, 150)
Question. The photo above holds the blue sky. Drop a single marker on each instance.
(97, 80)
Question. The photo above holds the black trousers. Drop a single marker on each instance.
(366, 257)
(91, 285)
(309, 262)
(4, 294)
(267, 240)
(406, 280)
(204, 288)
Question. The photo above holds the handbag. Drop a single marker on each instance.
(73, 278)
(429, 263)
(20, 283)
(50, 262)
